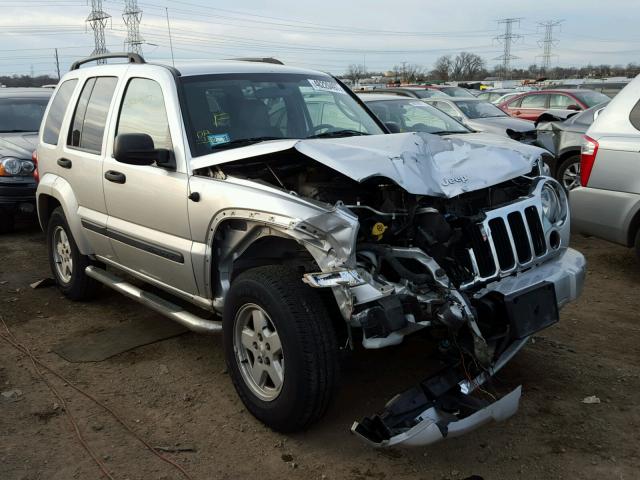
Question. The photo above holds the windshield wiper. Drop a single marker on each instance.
(16, 131)
(449, 132)
(339, 133)
(243, 142)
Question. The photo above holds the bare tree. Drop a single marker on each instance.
(355, 73)
(442, 68)
(467, 66)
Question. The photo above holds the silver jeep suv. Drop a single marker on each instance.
(272, 197)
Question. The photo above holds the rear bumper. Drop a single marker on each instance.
(606, 214)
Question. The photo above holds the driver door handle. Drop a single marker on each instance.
(64, 162)
(115, 177)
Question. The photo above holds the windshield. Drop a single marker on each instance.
(21, 114)
(456, 92)
(590, 98)
(415, 116)
(480, 110)
(426, 93)
(229, 110)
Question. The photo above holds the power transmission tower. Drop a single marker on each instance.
(132, 16)
(507, 38)
(548, 42)
(98, 21)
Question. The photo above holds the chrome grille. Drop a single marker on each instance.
(508, 239)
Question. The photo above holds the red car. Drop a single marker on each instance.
(530, 105)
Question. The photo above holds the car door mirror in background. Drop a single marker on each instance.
(393, 127)
(138, 149)
(574, 107)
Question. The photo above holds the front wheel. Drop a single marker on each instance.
(280, 347)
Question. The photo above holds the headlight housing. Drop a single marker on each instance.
(554, 203)
(11, 167)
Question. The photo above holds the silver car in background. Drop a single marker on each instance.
(483, 116)
(607, 205)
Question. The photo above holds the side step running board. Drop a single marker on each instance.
(160, 305)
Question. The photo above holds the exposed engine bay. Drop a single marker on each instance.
(427, 262)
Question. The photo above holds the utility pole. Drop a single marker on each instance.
(404, 72)
(548, 42)
(57, 64)
(98, 20)
(132, 16)
(173, 62)
(507, 38)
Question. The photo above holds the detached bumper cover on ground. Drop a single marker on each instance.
(443, 405)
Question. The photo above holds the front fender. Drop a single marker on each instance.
(58, 188)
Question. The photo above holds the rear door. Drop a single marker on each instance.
(80, 162)
(148, 220)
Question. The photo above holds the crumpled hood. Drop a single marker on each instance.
(421, 163)
(20, 145)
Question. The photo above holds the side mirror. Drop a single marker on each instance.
(393, 127)
(574, 107)
(138, 149)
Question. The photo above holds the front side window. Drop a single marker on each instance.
(232, 110)
(143, 111)
(90, 117)
(21, 114)
(52, 125)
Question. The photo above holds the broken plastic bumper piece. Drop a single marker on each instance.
(457, 415)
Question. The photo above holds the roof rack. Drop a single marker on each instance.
(132, 58)
(275, 61)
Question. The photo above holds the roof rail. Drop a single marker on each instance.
(275, 61)
(132, 57)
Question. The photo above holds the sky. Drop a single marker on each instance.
(326, 35)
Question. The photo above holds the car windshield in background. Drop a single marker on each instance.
(426, 93)
(229, 110)
(21, 114)
(590, 98)
(415, 116)
(480, 110)
(456, 92)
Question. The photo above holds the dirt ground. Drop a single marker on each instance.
(176, 393)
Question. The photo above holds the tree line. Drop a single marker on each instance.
(467, 66)
(27, 80)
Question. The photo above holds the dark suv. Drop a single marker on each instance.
(21, 111)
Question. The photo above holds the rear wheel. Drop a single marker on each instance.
(280, 347)
(66, 262)
(569, 173)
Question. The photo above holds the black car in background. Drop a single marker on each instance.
(21, 111)
(563, 138)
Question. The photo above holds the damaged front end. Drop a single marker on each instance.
(467, 243)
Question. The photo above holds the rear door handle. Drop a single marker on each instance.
(115, 177)
(64, 162)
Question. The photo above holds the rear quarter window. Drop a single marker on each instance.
(53, 123)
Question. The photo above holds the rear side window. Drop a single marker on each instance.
(634, 116)
(90, 116)
(534, 101)
(143, 111)
(52, 125)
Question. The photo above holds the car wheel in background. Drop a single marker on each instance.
(280, 347)
(66, 261)
(568, 173)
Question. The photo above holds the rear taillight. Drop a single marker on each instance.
(34, 159)
(588, 154)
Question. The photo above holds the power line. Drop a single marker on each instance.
(507, 38)
(548, 42)
(98, 21)
(132, 15)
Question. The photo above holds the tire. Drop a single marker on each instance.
(7, 222)
(309, 353)
(565, 167)
(66, 262)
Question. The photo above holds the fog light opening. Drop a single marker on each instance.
(554, 239)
